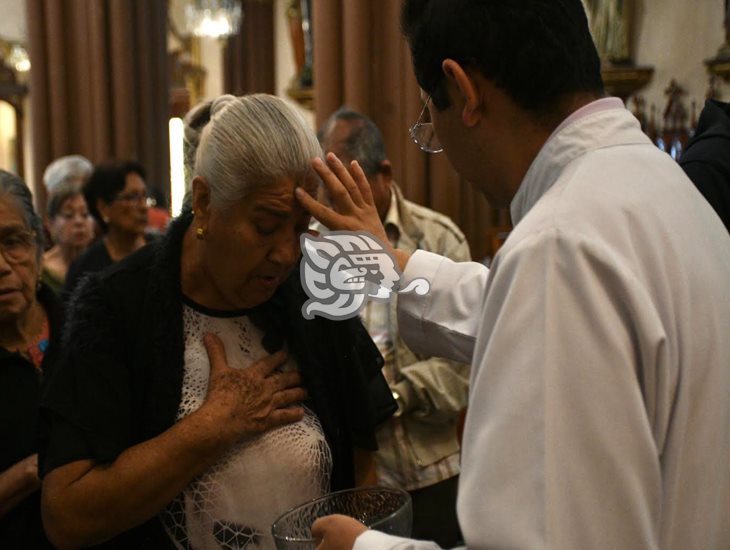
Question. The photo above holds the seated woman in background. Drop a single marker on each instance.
(29, 321)
(117, 198)
(195, 403)
(71, 227)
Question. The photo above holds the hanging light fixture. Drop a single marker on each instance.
(213, 18)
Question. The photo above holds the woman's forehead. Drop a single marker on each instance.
(283, 189)
(311, 184)
(71, 200)
(10, 212)
(277, 199)
(133, 180)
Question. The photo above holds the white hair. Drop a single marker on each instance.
(68, 168)
(250, 142)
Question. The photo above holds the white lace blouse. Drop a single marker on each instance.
(232, 505)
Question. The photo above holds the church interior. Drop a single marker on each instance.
(249, 268)
(111, 79)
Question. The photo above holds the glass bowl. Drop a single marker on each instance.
(382, 508)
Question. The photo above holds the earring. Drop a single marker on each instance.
(105, 219)
(200, 234)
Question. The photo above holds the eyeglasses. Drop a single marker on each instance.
(132, 198)
(423, 134)
(17, 247)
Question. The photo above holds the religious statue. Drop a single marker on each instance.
(676, 134)
(299, 14)
(609, 21)
(724, 52)
(719, 66)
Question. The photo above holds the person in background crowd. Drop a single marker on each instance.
(116, 195)
(418, 449)
(599, 398)
(71, 227)
(195, 121)
(30, 319)
(69, 168)
(706, 160)
(195, 404)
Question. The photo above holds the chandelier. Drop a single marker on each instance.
(213, 18)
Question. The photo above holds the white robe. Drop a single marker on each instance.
(599, 407)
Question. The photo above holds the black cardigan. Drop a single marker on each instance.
(120, 381)
(20, 395)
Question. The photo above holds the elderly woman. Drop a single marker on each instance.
(67, 168)
(29, 320)
(116, 195)
(71, 227)
(196, 404)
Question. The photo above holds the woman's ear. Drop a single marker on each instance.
(201, 198)
(103, 208)
(468, 90)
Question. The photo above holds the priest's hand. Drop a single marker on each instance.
(337, 532)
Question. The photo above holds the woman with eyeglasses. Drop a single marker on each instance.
(116, 195)
(29, 327)
(72, 229)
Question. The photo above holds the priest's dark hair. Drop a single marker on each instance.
(537, 51)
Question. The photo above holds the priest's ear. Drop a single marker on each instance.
(466, 85)
(469, 88)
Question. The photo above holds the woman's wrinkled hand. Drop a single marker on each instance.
(246, 402)
(336, 532)
(350, 196)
